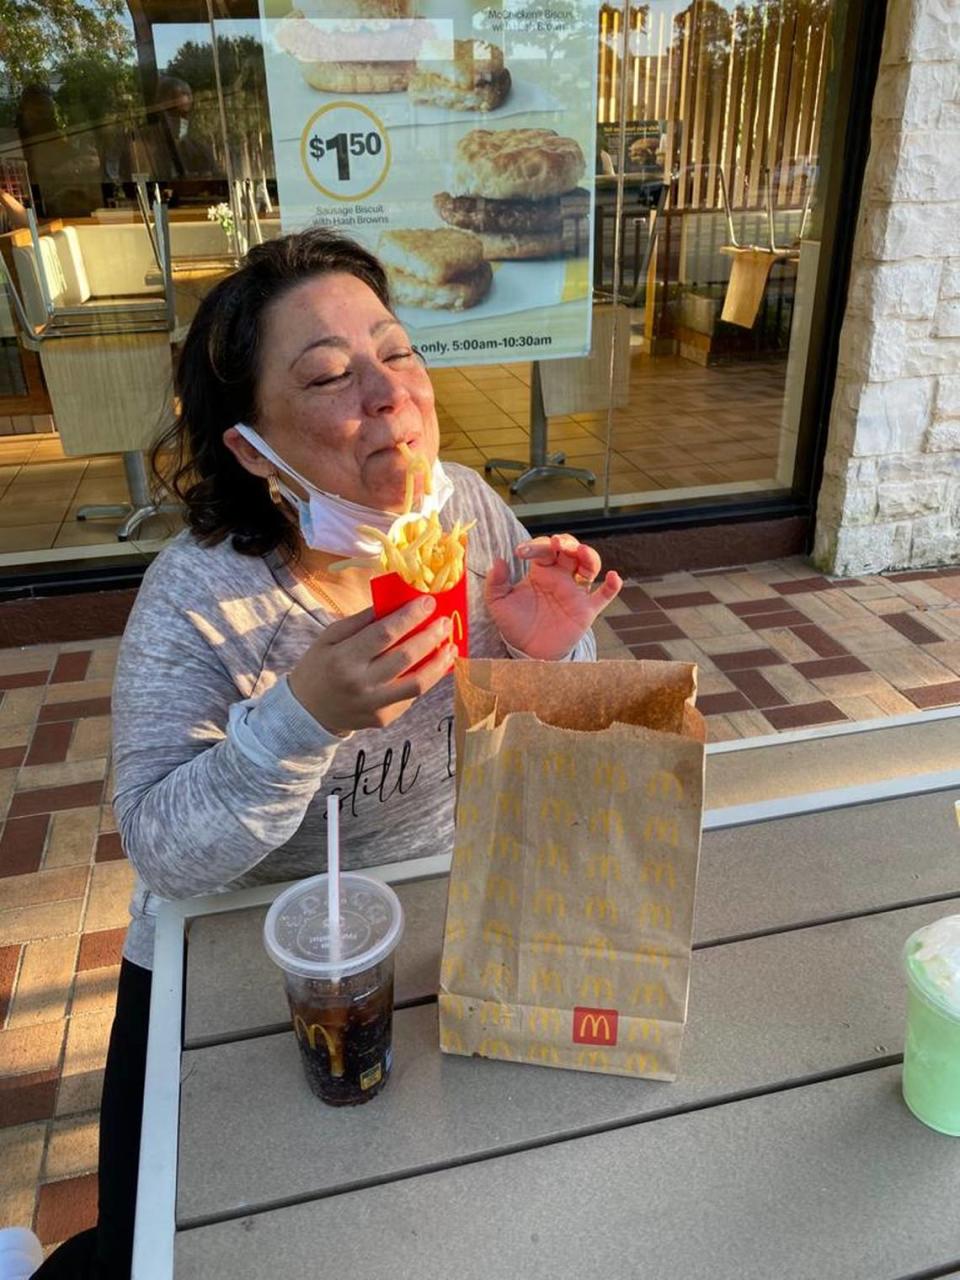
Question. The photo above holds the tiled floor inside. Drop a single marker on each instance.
(778, 648)
(684, 428)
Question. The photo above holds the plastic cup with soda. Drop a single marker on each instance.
(931, 1058)
(339, 981)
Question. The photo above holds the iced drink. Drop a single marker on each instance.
(931, 1058)
(339, 983)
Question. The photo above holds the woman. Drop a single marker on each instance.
(252, 681)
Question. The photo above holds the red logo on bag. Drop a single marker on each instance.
(595, 1026)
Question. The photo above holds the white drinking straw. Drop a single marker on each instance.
(333, 868)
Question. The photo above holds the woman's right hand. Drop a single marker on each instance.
(357, 675)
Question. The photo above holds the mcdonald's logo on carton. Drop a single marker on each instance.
(594, 1026)
(388, 592)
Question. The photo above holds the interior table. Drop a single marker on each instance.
(783, 1149)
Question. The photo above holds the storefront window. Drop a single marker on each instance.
(602, 228)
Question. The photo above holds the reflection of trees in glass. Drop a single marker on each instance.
(739, 83)
(81, 55)
(37, 35)
(244, 83)
(547, 31)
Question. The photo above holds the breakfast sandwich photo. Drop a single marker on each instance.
(440, 269)
(460, 75)
(517, 189)
(354, 46)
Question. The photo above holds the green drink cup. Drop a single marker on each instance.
(931, 1057)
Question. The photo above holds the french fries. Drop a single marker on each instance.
(417, 548)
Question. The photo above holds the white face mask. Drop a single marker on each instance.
(329, 522)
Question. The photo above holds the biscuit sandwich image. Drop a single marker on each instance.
(473, 79)
(441, 269)
(354, 46)
(517, 190)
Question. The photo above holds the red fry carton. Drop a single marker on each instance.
(390, 591)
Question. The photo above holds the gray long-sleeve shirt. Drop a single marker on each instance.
(221, 776)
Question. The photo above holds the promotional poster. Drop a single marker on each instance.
(457, 141)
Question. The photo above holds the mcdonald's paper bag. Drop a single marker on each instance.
(570, 909)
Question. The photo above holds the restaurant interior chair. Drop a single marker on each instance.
(106, 359)
(752, 264)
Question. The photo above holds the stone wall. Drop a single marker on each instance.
(891, 489)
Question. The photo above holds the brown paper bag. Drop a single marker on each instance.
(570, 908)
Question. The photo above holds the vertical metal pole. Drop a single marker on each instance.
(538, 418)
(166, 262)
(38, 262)
(135, 469)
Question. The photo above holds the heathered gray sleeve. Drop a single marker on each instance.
(206, 782)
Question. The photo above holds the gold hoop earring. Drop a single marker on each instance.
(273, 488)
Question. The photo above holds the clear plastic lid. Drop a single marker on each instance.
(297, 933)
(932, 958)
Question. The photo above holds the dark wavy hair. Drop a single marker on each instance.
(216, 386)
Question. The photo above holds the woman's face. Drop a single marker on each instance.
(339, 389)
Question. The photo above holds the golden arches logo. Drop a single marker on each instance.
(649, 993)
(603, 866)
(463, 853)
(652, 955)
(595, 1026)
(592, 1059)
(605, 822)
(665, 784)
(662, 831)
(455, 931)
(489, 1047)
(310, 1034)
(657, 914)
(506, 849)
(497, 933)
(456, 626)
(645, 1030)
(468, 815)
(544, 981)
(558, 764)
(453, 1006)
(496, 973)
(547, 944)
(551, 854)
(452, 970)
(596, 985)
(557, 809)
(451, 1041)
(609, 775)
(511, 760)
(601, 908)
(542, 1053)
(548, 902)
(642, 1064)
(543, 1021)
(599, 947)
(459, 891)
(496, 1015)
(500, 889)
(473, 775)
(509, 805)
(658, 872)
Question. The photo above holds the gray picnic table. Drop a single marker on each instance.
(782, 1150)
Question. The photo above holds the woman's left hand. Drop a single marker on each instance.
(548, 611)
